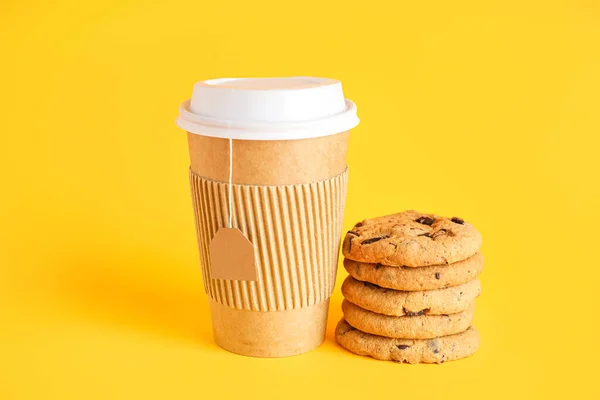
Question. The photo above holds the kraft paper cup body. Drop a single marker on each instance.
(288, 198)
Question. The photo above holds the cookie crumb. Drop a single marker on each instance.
(441, 232)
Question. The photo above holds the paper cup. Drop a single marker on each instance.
(269, 288)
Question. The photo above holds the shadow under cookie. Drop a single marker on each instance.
(407, 327)
(419, 278)
(398, 303)
(436, 350)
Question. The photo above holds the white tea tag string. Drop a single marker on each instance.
(231, 253)
(230, 187)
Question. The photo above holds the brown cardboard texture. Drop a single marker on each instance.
(288, 200)
(269, 162)
(232, 256)
(269, 334)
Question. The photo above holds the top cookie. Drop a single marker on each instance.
(411, 239)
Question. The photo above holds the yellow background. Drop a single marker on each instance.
(488, 110)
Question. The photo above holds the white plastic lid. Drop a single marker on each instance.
(267, 108)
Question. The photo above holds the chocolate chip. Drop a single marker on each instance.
(354, 233)
(415, 314)
(375, 239)
(425, 220)
(437, 275)
(358, 225)
(377, 266)
(371, 285)
(426, 235)
(348, 243)
(457, 220)
(402, 346)
(434, 346)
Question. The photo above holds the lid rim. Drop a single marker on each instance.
(186, 113)
(274, 131)
(218, 83)
(255, 112)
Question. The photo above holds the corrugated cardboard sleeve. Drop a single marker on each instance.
(295, 230)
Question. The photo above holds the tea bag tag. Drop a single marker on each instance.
(232, 256)
(231, 253)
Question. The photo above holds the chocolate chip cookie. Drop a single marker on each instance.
(424, 278)
(411, 239)
(407, 327)
(438, 350)
(400, 303)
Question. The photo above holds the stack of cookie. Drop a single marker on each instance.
(410, 296)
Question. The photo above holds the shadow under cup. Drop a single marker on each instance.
(288, 199)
